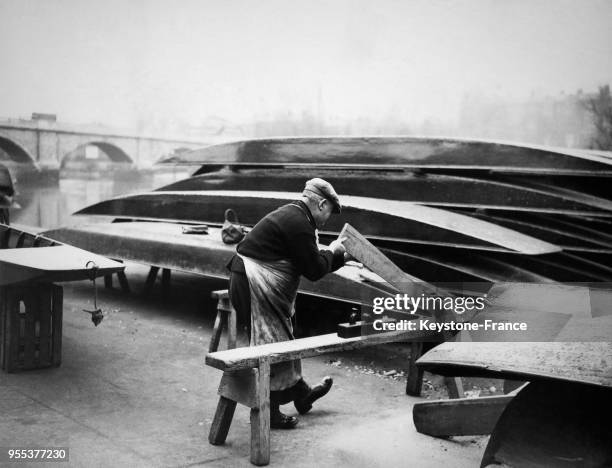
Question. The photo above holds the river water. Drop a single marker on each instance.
(50, 204)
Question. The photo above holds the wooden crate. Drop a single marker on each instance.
(30, 326)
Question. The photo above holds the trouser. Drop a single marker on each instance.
(240, 297)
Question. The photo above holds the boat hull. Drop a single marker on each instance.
(164, 245)
(27, 257)
(401, 152)
(437, 190)
(399, 222)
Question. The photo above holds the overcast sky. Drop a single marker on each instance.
(129, 61)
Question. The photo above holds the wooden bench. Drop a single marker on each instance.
(246, 379)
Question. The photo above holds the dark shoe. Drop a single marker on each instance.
(279, 420)
(305, 405)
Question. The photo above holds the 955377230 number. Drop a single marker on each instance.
(32, 454)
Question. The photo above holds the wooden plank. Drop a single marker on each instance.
(585, 362)
(221, 421)
(459, 417)
(240, 386)
(363, 250)
(248, 357)
(260, 416)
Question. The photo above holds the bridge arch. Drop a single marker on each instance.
(113, 152)
(15, 152)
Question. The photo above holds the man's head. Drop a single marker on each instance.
(322, 200)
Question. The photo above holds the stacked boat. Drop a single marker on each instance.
(483, 216)
(444, 210)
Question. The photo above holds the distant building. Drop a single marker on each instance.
(41, 116)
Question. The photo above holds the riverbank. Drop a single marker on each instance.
(135, 392)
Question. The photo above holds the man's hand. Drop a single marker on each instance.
(336, 246)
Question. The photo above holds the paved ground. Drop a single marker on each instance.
(135, 392)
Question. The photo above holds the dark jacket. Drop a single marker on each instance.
(288, 233)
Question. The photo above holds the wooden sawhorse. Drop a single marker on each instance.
(246, 379)
(226, 318)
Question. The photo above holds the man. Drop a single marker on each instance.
(264, 279)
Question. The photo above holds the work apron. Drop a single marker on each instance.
(273, 286)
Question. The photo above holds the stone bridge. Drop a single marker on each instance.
(45, 143)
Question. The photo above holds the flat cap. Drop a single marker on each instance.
(324, 189)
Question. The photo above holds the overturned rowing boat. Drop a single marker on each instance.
(443, 209)
(165, 245)
(390, 220)
(399, 152)
(27, 257)
(503, 194)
